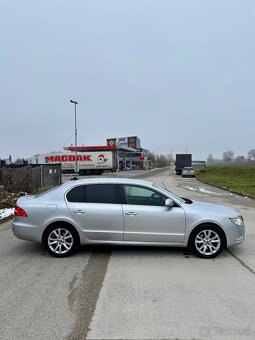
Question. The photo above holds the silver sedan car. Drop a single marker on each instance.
(124, 212)
(188, 172)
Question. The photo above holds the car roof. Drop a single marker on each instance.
(58, 192)
(98, 180)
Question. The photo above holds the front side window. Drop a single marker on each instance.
(138, 195)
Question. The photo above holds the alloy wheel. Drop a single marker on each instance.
(207, 242)
(60, 241)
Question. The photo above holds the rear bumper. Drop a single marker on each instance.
(28, 233)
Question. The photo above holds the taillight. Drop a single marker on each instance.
(19, 212)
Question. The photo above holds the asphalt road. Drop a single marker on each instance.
(131, 292)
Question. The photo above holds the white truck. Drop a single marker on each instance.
(88, 163)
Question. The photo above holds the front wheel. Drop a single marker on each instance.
(60, 241)
(207, 241)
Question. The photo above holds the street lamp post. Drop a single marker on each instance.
(75, 136)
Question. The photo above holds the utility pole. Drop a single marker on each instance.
(75, 136)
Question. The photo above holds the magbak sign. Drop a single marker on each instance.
(92, 160)
(88, 160)
(67, 158)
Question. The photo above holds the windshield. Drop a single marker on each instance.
(174, 196)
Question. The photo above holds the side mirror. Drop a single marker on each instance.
(169, 203)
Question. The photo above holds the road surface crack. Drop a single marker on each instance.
(85, 292)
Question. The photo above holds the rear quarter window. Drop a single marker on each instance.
(76, 194)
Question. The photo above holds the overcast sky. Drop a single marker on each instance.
(179, 74)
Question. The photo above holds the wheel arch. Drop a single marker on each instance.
(63, 223)
(208, 224)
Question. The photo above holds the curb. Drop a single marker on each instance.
(6, 219)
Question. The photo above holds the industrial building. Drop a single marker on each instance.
(127, 151)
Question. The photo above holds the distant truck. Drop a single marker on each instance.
(199, 166)
(182, 160)
(88, 163)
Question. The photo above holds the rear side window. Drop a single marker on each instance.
(94, 193)
(101, 193)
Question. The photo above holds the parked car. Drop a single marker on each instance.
(124, 212)
(188, 172)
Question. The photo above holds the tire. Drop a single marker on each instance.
(61, 240)
(97, 172)
(207, 241)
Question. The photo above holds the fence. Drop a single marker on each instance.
(31, 179)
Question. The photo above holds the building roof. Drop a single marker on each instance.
(90, 148)
(84, 148)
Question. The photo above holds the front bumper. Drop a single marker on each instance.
(235, 234)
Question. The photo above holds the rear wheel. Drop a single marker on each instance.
(60, 240)
(207, 241)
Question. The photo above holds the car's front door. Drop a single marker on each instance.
(147, 219)
(96, 209)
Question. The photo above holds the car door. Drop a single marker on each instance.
(147, 219)
(96, 209)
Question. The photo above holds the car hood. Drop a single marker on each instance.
(211, 208)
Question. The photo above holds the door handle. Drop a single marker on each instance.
(130, 213)
(79, 211)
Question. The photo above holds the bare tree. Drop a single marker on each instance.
(170, 157)
(152, 157)
(240, 159)
(161, 161)
(228, 156)
(210, 159)
(251, 155)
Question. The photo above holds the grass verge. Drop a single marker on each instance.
(236, 178)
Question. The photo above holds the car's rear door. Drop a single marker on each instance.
(96, 209)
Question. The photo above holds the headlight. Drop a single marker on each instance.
(237, 221)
